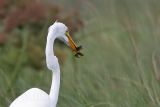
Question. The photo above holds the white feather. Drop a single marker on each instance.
(35, 97)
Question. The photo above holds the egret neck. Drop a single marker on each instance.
(50, 43)
(54, 90)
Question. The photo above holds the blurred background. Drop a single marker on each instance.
(120, 38)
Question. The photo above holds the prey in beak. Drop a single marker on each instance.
(73, 46)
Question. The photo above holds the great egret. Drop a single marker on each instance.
(35, 97)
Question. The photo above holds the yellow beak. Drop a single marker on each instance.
(71, 42)
(74, 46)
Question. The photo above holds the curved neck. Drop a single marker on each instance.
(50, 43)
(54, 91)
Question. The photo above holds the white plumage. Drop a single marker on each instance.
(35, 97)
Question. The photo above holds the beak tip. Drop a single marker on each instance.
(79, 48)
(74, 46)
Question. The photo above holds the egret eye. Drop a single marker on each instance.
(67, 33)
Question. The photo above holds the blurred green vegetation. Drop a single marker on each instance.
(121, 66)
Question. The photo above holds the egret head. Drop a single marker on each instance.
(59, 29)
(61, 32)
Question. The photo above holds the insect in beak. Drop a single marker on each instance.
(73, 46)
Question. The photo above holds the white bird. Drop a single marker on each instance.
(35, 97)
